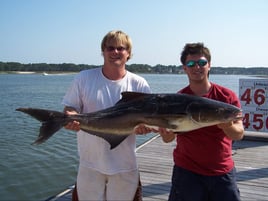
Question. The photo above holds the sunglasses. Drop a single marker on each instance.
(200, 62)
(111, 48)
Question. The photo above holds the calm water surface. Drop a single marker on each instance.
(30, 172)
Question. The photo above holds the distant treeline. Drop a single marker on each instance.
(137, 68)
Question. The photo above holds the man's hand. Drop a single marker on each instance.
(167, 136)
(74, 125)
(142, 129)
(233, 129)
(225, 125)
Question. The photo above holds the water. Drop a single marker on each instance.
(37, 172)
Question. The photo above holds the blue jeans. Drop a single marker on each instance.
(189, 186)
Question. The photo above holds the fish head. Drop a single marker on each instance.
(212, 112)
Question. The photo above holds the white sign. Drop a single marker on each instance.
(253, 94)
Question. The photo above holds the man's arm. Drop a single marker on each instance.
(234, 129)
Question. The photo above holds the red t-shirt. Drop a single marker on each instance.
(206, 151)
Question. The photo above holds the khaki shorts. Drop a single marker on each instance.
(93, 185)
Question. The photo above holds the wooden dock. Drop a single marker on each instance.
(156, 163)
(250, 156)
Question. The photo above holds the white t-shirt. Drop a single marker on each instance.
(92, 91)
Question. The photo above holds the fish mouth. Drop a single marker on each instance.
(238, 116)
(235, 116)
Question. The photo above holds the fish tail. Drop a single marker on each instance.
(52, 121)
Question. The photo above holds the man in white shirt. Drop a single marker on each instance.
(105, 174)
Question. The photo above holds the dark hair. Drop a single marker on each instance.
(195, 48)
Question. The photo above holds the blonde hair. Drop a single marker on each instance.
(118, 37)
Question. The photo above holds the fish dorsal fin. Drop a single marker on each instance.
(129, 96)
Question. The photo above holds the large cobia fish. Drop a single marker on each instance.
(176, 112)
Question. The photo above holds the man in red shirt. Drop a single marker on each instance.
(204, 169)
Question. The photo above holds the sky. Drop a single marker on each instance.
(71, 31)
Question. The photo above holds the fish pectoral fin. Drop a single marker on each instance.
(113, 140)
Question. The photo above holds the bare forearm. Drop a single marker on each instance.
(234, 130)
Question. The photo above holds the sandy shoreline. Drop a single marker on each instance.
(34, 72)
